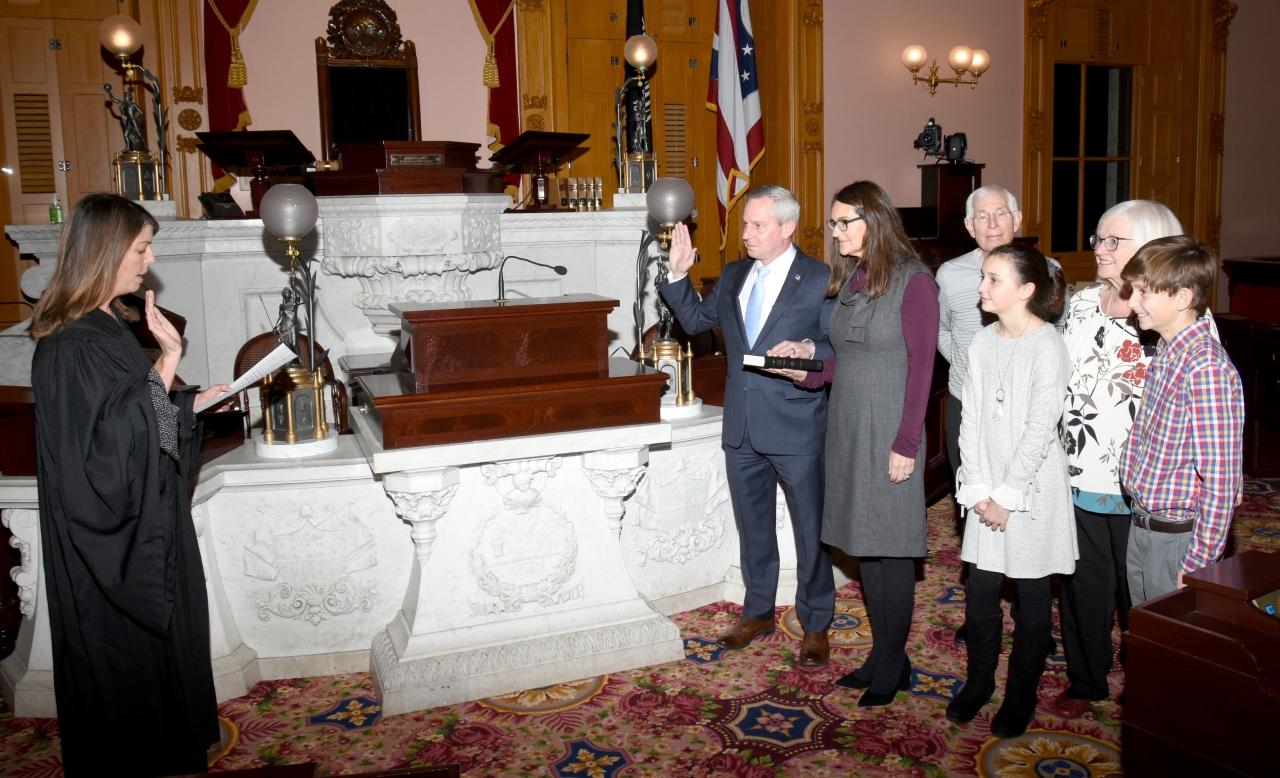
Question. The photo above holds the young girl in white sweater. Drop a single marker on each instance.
(1013, 479)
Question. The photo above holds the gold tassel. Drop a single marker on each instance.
(237, 74)
(491, 69)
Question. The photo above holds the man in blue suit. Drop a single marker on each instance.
(773, 430)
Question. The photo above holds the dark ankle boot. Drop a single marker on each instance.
(980, 683)
(1026, 665)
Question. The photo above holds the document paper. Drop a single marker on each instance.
(269, 364)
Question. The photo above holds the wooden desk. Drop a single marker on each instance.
(1202, 678)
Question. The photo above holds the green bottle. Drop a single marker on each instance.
(55, 212)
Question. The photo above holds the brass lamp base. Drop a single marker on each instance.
(136, 175)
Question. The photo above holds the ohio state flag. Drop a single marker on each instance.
(734, 95)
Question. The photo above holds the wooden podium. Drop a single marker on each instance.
(481, 370)
(1202, 678)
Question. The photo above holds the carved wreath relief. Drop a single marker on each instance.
(678, 511)
(527, 550)
(313, 556)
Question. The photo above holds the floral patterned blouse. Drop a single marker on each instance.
(1108, 371)
(1108, 375)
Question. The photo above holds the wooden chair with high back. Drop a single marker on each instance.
(259, 346)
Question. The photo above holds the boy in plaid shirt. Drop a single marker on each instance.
(1181, 464)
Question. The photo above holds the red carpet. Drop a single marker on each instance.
(748, 714)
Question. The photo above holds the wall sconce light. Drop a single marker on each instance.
(962, 60)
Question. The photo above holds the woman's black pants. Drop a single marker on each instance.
(1090, 599)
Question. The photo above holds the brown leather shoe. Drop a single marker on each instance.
(745, 631)
(815, 650)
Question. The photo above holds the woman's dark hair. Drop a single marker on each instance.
(101, 229)
(885, 249)
(1030, 267)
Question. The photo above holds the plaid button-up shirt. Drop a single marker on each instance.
(1184, 451)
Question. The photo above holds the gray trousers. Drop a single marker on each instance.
(1153, 560)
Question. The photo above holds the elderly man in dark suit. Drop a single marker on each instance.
(773, 429)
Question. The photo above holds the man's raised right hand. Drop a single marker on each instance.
(683, 254)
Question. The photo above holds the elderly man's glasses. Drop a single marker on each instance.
(842, 225)
(1000, 215)
(1111, 242)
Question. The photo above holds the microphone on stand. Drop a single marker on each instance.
(502, 287)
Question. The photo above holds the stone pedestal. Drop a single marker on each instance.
(410, 248)
(517, 579)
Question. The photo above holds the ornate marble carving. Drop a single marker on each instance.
(315, 556)
(422, 236)
(480, 234)
(25, 526)
(350, 236)
(614, 486)
(423, 510)
(676, 503)
(527, 550)
(394, 675)
(385, 281)
(317, 603)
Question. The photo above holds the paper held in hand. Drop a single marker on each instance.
(268, 364)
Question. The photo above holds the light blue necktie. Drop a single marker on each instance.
(755, 306)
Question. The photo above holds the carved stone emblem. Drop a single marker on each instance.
(527, 550)
(350, 236)
(313, 556)
(678, 511)
(480, 234)
(422, 236)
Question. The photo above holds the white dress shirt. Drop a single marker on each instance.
(773, 282)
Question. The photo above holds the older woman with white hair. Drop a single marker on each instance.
(1108, 372)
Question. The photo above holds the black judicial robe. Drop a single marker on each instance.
(126, 591)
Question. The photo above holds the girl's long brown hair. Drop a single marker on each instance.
(886, 247)
(94, 241)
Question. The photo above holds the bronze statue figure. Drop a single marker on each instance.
(130, 120)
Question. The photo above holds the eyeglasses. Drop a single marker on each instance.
(1111, 242)
(842, 225)
(1001, 214)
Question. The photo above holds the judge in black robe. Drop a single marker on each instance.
(129, 616)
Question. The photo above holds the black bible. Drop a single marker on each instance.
(783, 363)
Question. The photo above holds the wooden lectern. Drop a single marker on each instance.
(270, 156)
(1202, 677)
(407, 167)
(538, 153)
(480, 370)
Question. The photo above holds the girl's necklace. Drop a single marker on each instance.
(1003, 372)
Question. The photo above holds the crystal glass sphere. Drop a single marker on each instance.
(120, 35)
(959, 58)
(914, 57)
(669, 200)
(980, 62)
(641, 51)
(289, 211)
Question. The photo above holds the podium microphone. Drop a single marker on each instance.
(502, 288)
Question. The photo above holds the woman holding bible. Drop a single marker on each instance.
(117, 452)
(884, 329)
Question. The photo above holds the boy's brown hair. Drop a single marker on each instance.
(1178, 262)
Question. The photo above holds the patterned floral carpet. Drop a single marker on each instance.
(748, 714)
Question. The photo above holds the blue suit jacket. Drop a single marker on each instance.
(782, 418)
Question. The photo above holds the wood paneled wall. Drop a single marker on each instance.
(1178, 51)
(567, 77)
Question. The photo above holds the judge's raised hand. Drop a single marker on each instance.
(167, 337)
(683, 254)
(900, 467)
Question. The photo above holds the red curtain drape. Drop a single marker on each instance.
(504, 103)
(227, 108)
